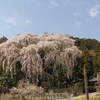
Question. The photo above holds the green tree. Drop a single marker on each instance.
(3, 39)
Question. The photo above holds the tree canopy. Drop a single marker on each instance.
(36, 53)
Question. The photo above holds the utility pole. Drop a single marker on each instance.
(86, 83)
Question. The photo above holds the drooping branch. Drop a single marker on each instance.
(36, 52)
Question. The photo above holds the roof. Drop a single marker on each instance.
(93, 79)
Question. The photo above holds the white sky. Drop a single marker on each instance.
(78, 18)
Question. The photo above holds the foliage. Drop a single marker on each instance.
(26, 91)
(79, 87)
(4, 84)
(38, 55)
(3, 39)
(90, 44)
(90, 58)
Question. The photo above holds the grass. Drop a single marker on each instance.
(95, 97)
(47, 96)
(52, 96)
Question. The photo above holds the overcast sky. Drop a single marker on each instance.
(78, 18)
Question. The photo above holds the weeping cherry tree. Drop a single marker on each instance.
(37, 52)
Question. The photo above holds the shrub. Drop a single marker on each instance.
(92, 89)
(26, 91)
(79, 87)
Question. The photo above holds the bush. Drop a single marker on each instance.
(26, 91)
(92, 89)
(79, 87)
(69, 89)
